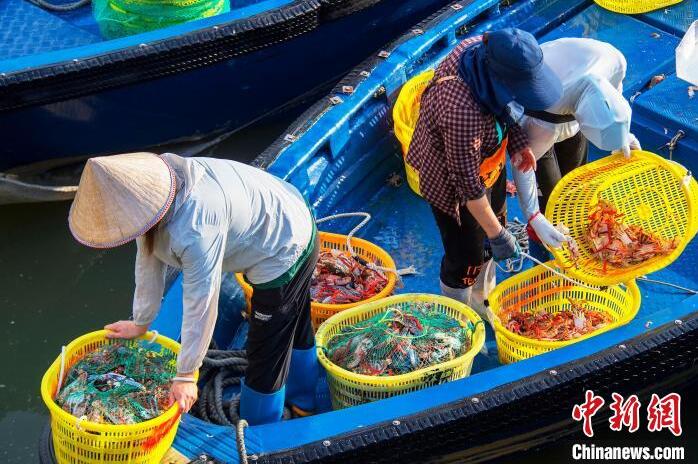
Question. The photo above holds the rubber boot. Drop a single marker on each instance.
(261, 408)
(459, 294)
(302, 381)
(484, 284)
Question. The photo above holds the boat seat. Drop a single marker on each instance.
(26, 29)
(675, 19)
(670, 105)
(647, 55)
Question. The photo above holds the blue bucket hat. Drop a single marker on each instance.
(516, 60)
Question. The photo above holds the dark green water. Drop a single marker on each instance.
(52, 290)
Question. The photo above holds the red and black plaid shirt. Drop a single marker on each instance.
(452, 138)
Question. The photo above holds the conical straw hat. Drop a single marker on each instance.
(119, 198)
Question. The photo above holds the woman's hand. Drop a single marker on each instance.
(184, 393)
(546, 232)
(524, 160)
(125, 329)
(633, 144)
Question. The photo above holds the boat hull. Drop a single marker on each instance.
(189, 86)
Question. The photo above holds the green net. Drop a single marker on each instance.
(400, 340)
(119, 383)
(119, 18)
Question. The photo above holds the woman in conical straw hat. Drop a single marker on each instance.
(207, 216)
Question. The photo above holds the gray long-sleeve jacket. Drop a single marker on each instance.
(226, 216)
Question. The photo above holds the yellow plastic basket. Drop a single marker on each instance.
(320, 312)
(542, 290)
(349, 389)
(405, 114)
(650, 191)
(635, 6)
(77, 441)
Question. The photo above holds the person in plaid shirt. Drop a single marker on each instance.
(459, 144)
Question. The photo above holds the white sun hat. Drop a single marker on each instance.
(120, 197)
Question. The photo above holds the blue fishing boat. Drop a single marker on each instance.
(66, 92)
(340, 154)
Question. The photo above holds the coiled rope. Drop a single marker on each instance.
(220, 369)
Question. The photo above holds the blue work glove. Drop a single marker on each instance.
(504, 246)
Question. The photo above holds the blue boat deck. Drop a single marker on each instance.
(27, 30)
(351, 151)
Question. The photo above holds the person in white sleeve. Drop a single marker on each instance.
(206, 216)
(591, 109)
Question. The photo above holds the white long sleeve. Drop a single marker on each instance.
(527, 191)
(150, 285)
(202, 259)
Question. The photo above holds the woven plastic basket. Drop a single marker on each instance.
(650, 191)
(405, 114)
(77, 441)
(635, 6)
(320, 312)
(349, 389)
(541, 290)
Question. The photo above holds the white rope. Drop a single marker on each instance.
(367, 217)
(560, 274)
(154, 337)
(240, 439)
(668, 284)
(60, 375)
(512, 266)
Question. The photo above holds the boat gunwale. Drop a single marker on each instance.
(431, 423)
(55, 77)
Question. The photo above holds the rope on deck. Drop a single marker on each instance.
(367, 217)
(240, 439)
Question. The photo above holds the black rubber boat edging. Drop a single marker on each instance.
(62, 81)
(333, 9)
(517, 408)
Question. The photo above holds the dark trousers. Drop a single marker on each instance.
(464, 243)
(564, 157)
(279, 322)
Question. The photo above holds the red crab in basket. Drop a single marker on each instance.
(614, 242)
(340, 278)
(563, 325)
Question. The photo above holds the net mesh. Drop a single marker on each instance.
(119, 384)
(400, 340)
(119, 18)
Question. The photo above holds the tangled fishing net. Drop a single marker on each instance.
(119, 18)
(400, 340)
(566, 324)
(340, 278)
(118, 383)
(621, 245)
